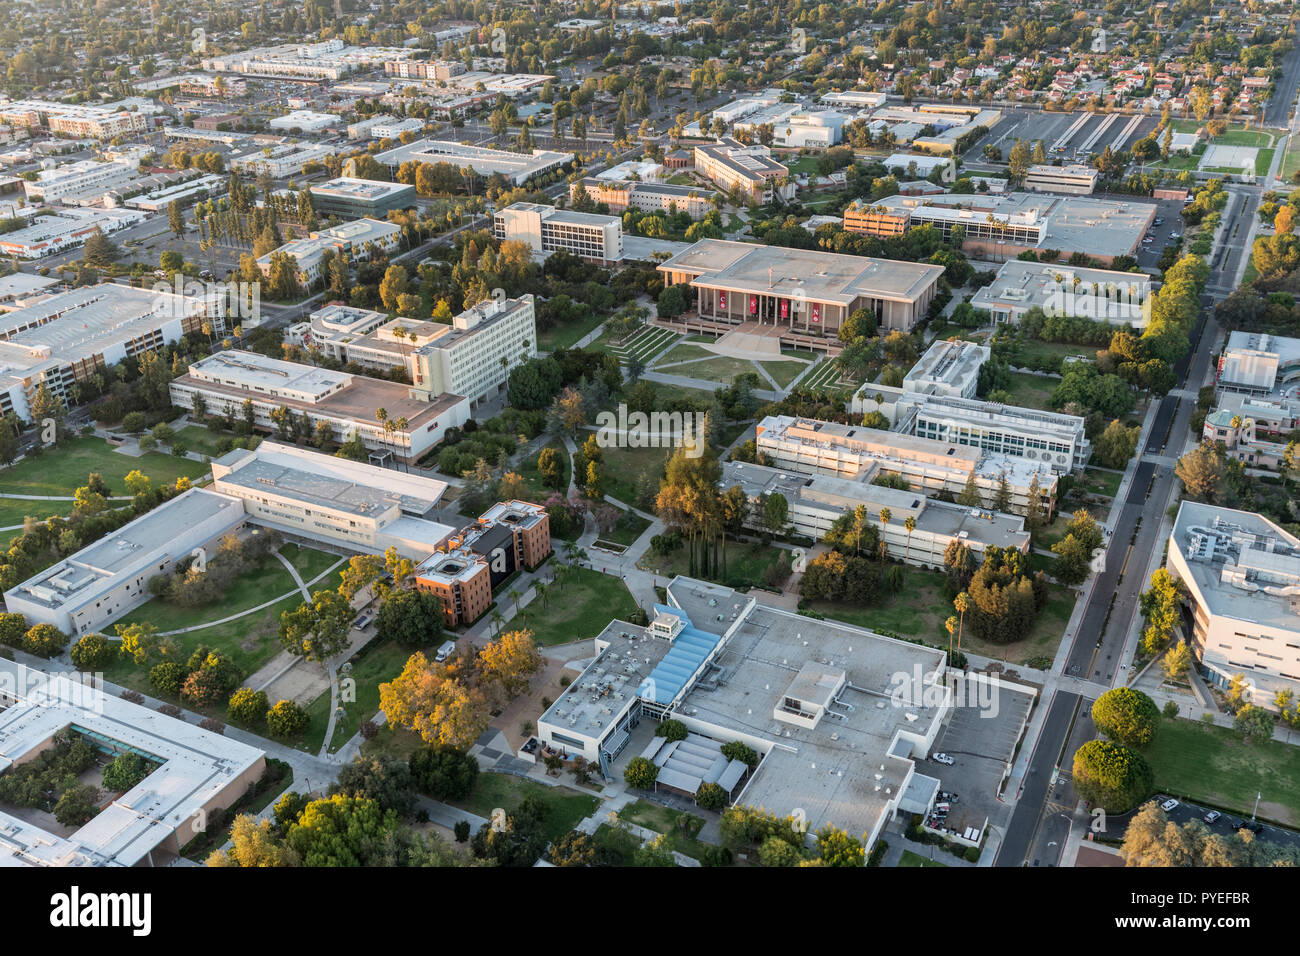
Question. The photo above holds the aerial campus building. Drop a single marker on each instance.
(1102, 295)
(937, 401)
(930, 467)
(1001, 227)
(87, 590)
(193, 773)
(648, 197)
(1257, 398)
(1241, 574)
(545, 229)
(837, 731)
(817, 501)
(472, 356)
(810, 292)
(347, 403)
(67, 337)
(517, 168)
(464, 570)
(1075, 179)
(359, 239)
(730, 164)
(350, 198)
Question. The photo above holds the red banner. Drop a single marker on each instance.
(816, 312)
(753, 305)
(722, 300)
(785, 308)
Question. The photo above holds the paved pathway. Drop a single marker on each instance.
(297, 578)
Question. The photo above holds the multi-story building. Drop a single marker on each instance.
(333, 327)
(304, 121)
(1052, 438)
(810, 291)
(360, 198)
(347, 403)
(462, 580)
(1097, 294)
(279, 162)
(68, 337)
(80, 120)
(1075, 179)
(442, 70)
(1259, 363)
(325, 499)
(59, 230)
(88, 590)
(751, 169)
(359, 239)
(546, 229)
(621, 195)
(53, 184)
(327, 60)
(933, 468)
(817, 501)
(1241, 575)
(517, 168)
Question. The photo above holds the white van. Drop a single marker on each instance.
(445, 651)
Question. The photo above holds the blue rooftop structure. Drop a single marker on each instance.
(690, 649)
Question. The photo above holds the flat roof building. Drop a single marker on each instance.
(546, 229)
(347, 403)
(1260, 363)
(621, 195)
(88, 590)
(1075, 179)
(810, 291)
(1122, 298)
(730, 164)
(304, 121)
(359, 239)
(67, 337)
(1242, 578)
(193, 773)
(350, 198)
(517, 168)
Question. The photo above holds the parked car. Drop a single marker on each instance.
(1159, 222)
(1212, 816)
(1169, 805)
(361, 621)
(1148, 239)
(444, 652)
(943, 759)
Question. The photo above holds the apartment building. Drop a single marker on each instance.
(621, 195)
(84, 121)
(546, 229)
(347, 403)
(84, 176)
(1241, 573)
(280, 162)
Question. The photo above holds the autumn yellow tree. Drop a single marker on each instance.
(511, 659)
(440, 708)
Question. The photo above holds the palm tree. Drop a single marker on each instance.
(909, 524)
(962, 603)
(401, 424)
(381, 415)
(541, 588)
(513, 595)
(885, 515)
(951, 626)
(497, 619)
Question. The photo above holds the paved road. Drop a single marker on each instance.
(1022, 831)
(1279, 107)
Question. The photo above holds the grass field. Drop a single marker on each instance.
(579, 608)
(785, 372)
(722, 369)
(1212, 764)
(825, 376)
(257, 585)
(920, 609)
(563, 336)
(1263, 160)
(1048, 534)
(1290, 160)
(745, 563)
(309, 562)
(376, 663)
(14, 511)
(684, 352)
(567, 808)
(622, 469)
(538, 490)
(629, 528)
(1101, 482)
(681, 828)
(62, 470)
(644, 344)
(915, 859)
(198, 438)
(1031, 391)
(1034, 352)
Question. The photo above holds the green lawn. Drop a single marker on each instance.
(745, 563)
(1290, 160)
(785, 372)
(722, 369)
(622, 468)
(578, 608)
(683, 353)
(563, 336)
(257, 585)
(376, 663)
(1212, 764)
(1034, 352)
(309, 562)
(915, 859)
(62, 470)
(1031, 391)
(629, 528)
(14, 511)
(681, 828)
(506, 791)
(1100, 482)
(198, 438)
(1263, 160)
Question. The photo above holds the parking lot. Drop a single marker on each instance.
(981, 742)
(1169, 210)
(1034, 125)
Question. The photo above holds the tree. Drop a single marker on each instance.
(550, 466)
(671, 730)
(1202, 471)
(1176, 661)
(837, 848)
(286, 720)
(1018, 161)
(166, 677)
(1126, 716)
(443, 772)
(362, 571)
(656, 852)
(970, 494)
(1254, 724)
(1117, 444)
(441, 709)
(640, 773)
(253, 843)
(776, 512)
(44, 640)
(410, 616)
(77, 806)
(92, 652)
(248, 706)
(961, 604)
(710, 796)
(340, 831)
(573, 849)
(99, 250)
(1111, 776)
(125, 771)
(510, 660)
(385, 780)
(317, 630)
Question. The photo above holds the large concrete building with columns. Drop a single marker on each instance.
(810, 291)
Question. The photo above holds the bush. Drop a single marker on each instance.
(247, 706)
(461, 829)
(212, 725)
(171, 710)
(710, 796)
(443, 772)
(369, 729)
(92, 652)
(167, 677)
(132, 696)
(1171, 709)
(715, 856)
(742, 752)
(972, 854)
(640, 773)
(45, 640)
(286, 719)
